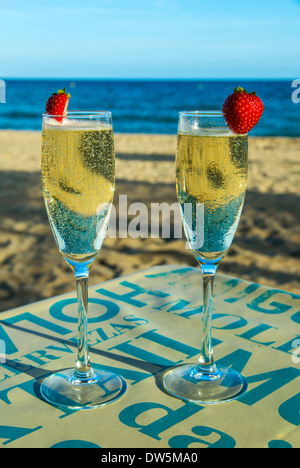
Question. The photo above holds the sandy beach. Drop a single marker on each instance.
(266, 248)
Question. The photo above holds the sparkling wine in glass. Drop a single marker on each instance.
(211, 179)
(78, 176)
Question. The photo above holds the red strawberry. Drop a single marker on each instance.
(57, 104)
(242, 110)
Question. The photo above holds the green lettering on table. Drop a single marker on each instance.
(75, 444)
(43, 356)
(242, 294)
(289, 346)
(17, 367)
(290, 410)
(184, 441)
(102, 335)
(226, 286)
(12, 433)
(171, 417)
(272, 381)
(152, 335)
(121, 328)
(128, 296)
(28, 317)
(142, 354)
(271, 308)
(63, 348)
(111, 310)
(237, 359)
(181, 272)
(180, 305)
(240, 322)
(136, 290)
(128, 374)
(36, 357)
(10, 347)
(32, 388)
(296, 317)
(250, 334)
(279, 444)
(25, 386)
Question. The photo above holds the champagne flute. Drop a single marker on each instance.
(78, 176)
(211, 179)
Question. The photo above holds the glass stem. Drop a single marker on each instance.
(83, 369)
(206, 360)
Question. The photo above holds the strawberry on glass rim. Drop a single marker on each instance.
(57, 104)
(242, 110)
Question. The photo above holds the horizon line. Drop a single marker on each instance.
(149, 79)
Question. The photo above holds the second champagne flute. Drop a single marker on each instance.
(211, 178)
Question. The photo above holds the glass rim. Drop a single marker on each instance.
(205, 113)
(79, 113)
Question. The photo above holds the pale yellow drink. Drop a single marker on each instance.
(78, 173)
(211, 173)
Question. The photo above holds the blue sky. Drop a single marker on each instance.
(150, 39)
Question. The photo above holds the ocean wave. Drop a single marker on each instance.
(145, 106)
(19, 114)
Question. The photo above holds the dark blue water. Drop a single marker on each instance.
(148, 106)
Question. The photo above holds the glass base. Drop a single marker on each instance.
(65, 390)
(189, 383)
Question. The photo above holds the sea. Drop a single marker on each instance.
(149, 106)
